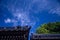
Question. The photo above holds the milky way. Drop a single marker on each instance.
(28, 12)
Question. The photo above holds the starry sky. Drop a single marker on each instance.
(28, 12)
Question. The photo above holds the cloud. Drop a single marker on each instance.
(7, 20)
(22, 10)
(55, 11)
(51, 6)
(23, 18)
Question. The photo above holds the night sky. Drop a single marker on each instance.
(28, 12)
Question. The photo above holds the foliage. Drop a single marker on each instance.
(49, 28)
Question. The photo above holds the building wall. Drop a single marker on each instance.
(45, 37)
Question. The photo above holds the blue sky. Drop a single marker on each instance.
(29, 12)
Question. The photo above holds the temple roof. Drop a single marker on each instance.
(15, 28)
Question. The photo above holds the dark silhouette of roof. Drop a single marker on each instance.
(14, 33)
